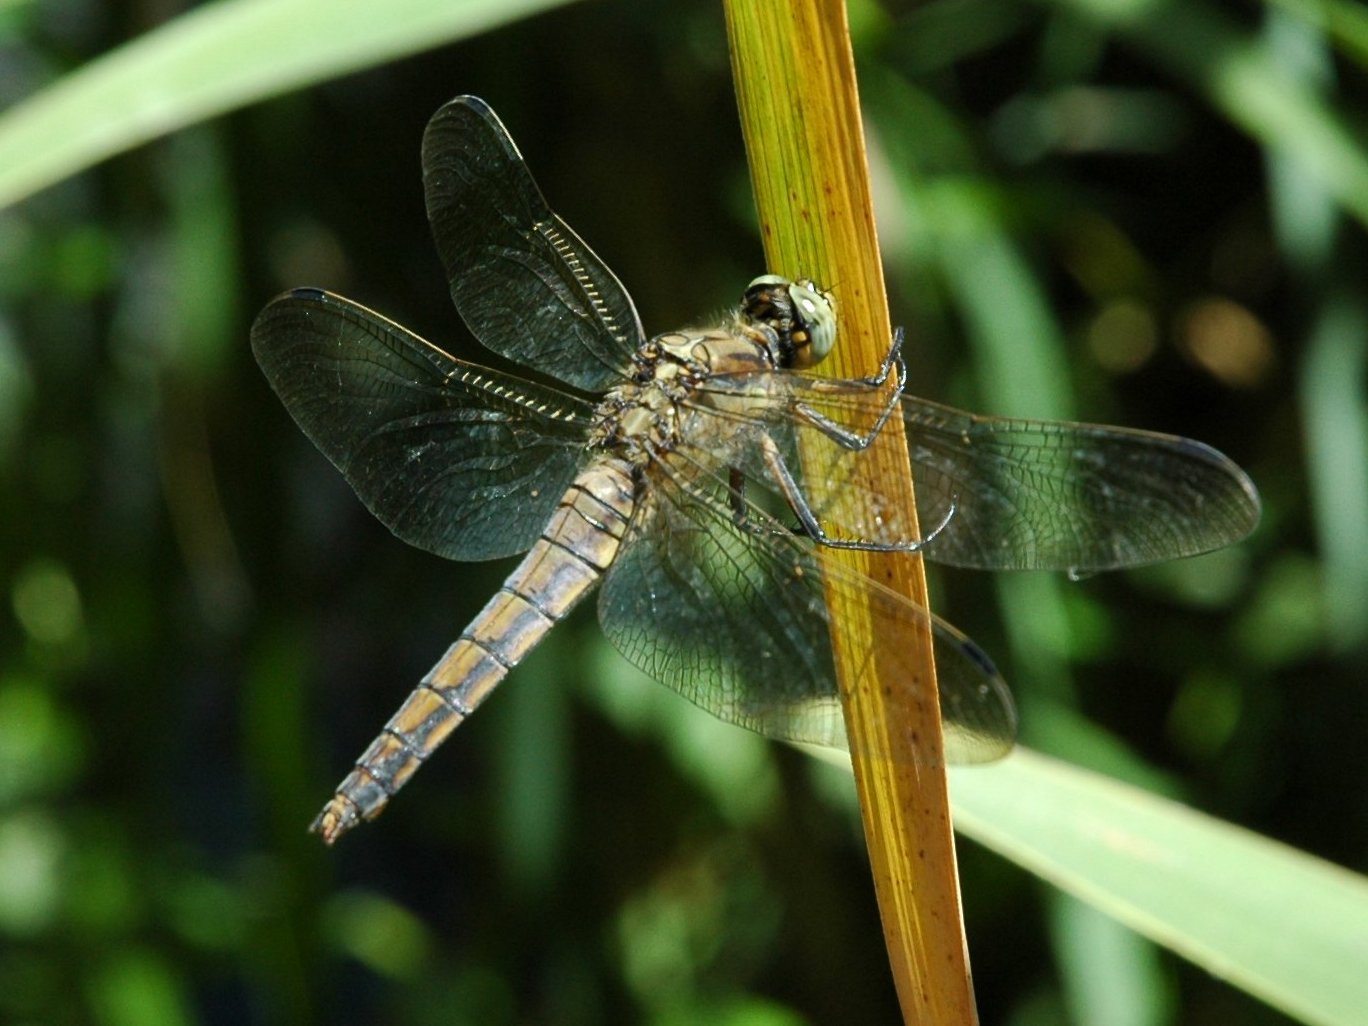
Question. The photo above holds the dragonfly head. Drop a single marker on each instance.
(801, 315)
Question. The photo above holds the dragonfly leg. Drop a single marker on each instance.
(793, 495)
(736, 497)
(893, 358)
(844, 436)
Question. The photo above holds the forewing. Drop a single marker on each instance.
(1051, 495)
(453, 458)
(1007, 494)
(525, 284)
(736, 621)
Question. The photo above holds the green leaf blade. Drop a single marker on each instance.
(214, 59)
(1285, 926)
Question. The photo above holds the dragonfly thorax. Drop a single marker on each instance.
(641, 417)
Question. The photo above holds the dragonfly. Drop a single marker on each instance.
(666, 473)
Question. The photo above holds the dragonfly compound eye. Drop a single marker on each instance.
(815, 311)
(801, 315)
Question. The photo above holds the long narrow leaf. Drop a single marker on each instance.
(796, 92)
(215, 58)
(1278, 923)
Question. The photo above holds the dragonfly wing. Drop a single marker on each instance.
(1010, 494)
(737, 622)
(1043, 495)
(453, 458)
(525, 284)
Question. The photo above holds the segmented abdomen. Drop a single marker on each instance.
(580, 541)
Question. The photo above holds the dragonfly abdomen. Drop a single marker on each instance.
(580, 541)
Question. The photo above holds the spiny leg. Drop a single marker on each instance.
(844, 436)
(797, 501)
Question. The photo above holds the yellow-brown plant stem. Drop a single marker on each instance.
(795, 84)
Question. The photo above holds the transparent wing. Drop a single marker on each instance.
(453, 458)
(737, 622)
(1014, 494)
(525, 284)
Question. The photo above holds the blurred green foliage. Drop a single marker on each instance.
(1149, 213)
